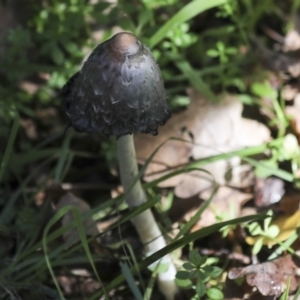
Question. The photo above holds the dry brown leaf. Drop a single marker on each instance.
(72, 284)
(172, 154)
(29, 87)
(83, 207)
(294, 112)
(290, 203)
(292, 38)
(268, 191)
(29, 128)
(215, 129)
(291, 41)
(289, 91)
(271, 277)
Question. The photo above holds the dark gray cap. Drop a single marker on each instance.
(118, 91)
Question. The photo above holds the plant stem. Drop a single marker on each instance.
(144, 223)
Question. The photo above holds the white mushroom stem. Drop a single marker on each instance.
(144, 223)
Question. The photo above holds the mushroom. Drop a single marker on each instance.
(120, 91)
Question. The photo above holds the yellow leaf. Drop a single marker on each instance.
(287, 224)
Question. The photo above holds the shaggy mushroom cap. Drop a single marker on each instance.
(118, 91)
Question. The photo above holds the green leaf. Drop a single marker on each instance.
(213, 53)
(183, 275)
(195, 258)
(202, 276)
(208, 269)
(188, 266)
(266, 168)
(290, 147)
(72, 48)
(216, 272)
(255, 228)
(268, 220)
(200, 288)
(211, 260)
(185, 284)
(188, 12)
(257, 246)
(263, 90)
(214, 294)
(246, 99)
(273, 231)
(195, 273)
(231, 50)
(57, 55)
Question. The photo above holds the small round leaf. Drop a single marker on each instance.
(214, 294)
(182, 275)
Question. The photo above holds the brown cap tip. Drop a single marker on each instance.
(125, 42)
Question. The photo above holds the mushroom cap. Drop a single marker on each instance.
(118, 91)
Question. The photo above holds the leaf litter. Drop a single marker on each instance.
(270, 278)
(214, 128)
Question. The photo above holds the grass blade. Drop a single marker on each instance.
(80, 228)
(195, 80)
(9, 146)
(188, 12)
(63, 157)
(296, 297)
(131, 282)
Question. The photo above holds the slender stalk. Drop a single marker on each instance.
(144, 223)
(129, 169)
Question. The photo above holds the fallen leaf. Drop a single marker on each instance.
(292, 38)
(170, 156)
(83, 207)
(29, 127)
(73, 284)
(29, 87)
(290, 203)
(289, 91)
(268, 191)
(294, 112)
(271, 277)
(214, 128)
